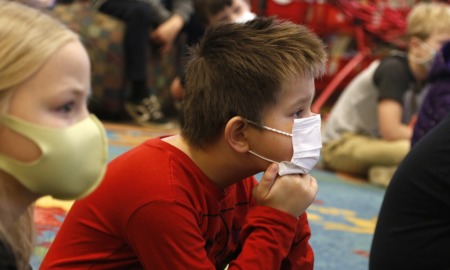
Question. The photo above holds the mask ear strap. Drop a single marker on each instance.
(427, 47)
(266, 159)
(269, 128)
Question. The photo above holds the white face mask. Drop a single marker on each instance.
(306, 141)
(245, 17)
(427, 61)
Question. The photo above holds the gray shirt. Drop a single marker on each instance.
(356, 109)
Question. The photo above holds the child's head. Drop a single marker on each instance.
(28, 38)
(428, 19)
(240, 69)
(212, 12)
(428, 28)
(45, 82)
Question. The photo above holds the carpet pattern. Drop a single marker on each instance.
(342, 217)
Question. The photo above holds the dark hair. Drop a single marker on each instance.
(206, 8)
(238, 69)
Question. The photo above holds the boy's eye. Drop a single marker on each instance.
(298, 113)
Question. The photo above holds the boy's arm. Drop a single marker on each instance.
(266, 239)
(167, 31)
(390, 121)
(166, 235)
(301, 255)
(184, 8)
(159, 12)
(273, 238)
(392, 79)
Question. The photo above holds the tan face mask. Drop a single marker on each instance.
(73, 160)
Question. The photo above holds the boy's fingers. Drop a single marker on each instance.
(269, 177)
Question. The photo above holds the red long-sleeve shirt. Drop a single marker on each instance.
(157, 210)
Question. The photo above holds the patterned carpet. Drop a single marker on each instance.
(342, 217)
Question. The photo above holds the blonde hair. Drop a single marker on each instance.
(425, 19)
(28, 38)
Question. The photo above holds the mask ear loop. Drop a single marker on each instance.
(422, 61)
(261, 157)
(269, 128)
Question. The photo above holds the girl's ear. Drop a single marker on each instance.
(236, 134)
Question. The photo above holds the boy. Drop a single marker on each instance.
(210, 13)
(368, 132)
(191, 201)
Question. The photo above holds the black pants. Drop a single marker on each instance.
(138, 21)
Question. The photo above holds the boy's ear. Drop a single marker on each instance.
(236, 134)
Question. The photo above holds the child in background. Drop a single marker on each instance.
(436, 104)
(209, 13)
(191, 201)
(368, 132)
(49, 145)
(147, 22)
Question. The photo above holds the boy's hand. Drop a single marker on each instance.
(289, 193)
(166, 33)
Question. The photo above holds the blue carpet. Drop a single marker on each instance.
(342, 220)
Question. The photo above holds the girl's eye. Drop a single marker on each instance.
(66, 108)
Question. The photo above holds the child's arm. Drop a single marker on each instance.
(159, 12)
(273, 238)
(167, 31)
(166, 234)
(301, 255)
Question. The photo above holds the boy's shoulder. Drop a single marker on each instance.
(395, 62)
(150, 155)
(395, 57)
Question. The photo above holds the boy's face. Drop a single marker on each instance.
(294, 101)
(425, 49)
(231, 13)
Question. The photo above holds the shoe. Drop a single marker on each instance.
(381, 175)
(154, 110)
(137, 111)
(148, 113)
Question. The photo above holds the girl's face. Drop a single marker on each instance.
(230, 13)
(55, 96)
